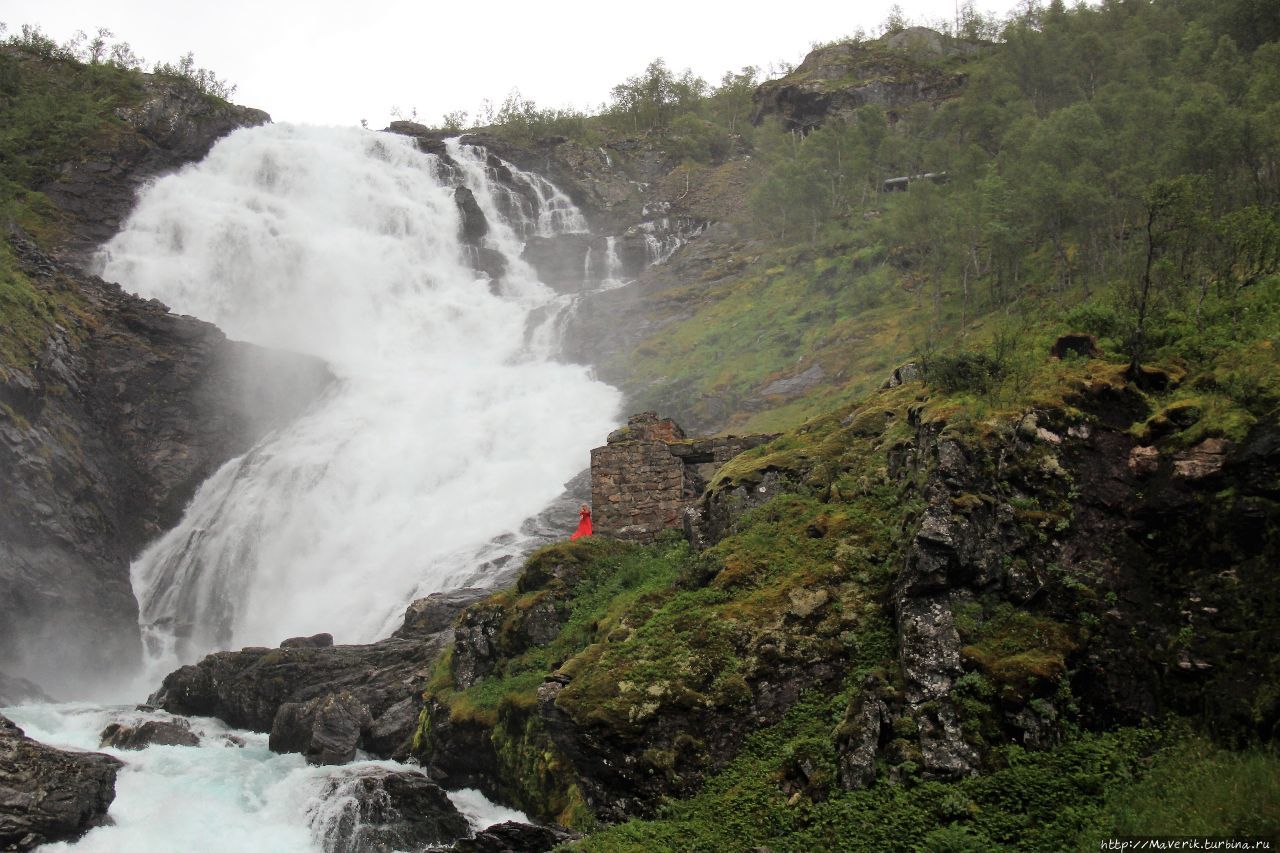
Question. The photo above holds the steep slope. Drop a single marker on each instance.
(892, 594)
(112, 410)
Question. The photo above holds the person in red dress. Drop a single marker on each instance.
(584, 523)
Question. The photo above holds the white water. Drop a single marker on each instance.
(213, 798)
(444, 429)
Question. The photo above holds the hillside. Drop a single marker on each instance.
(1006, 579)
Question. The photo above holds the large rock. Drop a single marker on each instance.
(175, 732)
(326, 730)
(376, 810)
(323, 701)
(47, 794)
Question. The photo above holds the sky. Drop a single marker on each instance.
(324, 62)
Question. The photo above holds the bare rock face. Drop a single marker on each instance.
(49, 795)
(173, 125)
(103, 441)
(893, 73)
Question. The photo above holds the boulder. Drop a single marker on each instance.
(175, 732)
(376, 810)
(326, 730)
(48, 794)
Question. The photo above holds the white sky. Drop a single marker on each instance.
(323, 62)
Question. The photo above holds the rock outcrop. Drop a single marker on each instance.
(112, 411)
(893, 73)
(104, 438)
(47, 794)
(324, 701)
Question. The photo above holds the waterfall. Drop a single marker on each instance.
(443, 429)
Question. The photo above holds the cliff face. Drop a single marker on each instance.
(888, 595)
(894, 73)
(112, 410)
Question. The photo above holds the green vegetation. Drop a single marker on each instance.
(58, 104)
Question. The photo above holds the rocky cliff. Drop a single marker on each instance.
(112, 410)
(941, 588)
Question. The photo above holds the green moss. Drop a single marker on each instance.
(1018, 651)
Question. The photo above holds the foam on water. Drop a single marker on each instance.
(216, 797)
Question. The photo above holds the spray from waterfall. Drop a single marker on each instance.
(443, 429)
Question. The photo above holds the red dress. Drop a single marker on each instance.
(584, 524)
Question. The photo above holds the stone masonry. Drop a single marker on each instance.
(649, 472)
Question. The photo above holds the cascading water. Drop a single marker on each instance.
(444, 427)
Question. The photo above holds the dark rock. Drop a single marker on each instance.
(326, 730)
(310, 699)
(138, 407)
(315, 641)
(375, 810)
(560, 261)
(474, 225)
(176, 732)
(1079, 343)
(437, 612)
(47, 794)
(514, 837)
(475, 645)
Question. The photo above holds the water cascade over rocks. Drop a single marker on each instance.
(448, 423)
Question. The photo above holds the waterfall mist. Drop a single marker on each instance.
(447, 424)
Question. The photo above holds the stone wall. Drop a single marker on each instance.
(649, 472)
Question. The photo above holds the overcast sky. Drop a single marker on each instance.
(323, 62)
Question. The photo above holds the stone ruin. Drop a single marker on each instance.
(649, 472)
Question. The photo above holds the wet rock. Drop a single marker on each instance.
(176, 732)
(515, 837)
(47, 794)
(376, 810)
(326, 730)
(249, 688)
(474, 225)
(436, 612)
(475, 645)
(138, 407)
